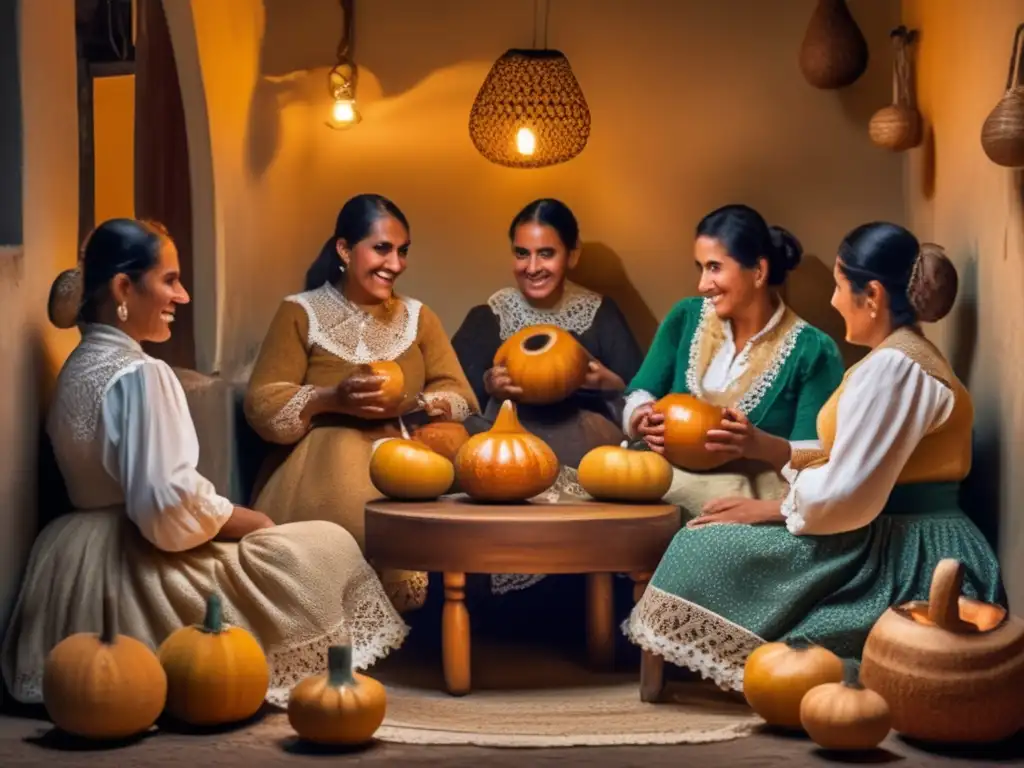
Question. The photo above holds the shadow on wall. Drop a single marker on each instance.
(600, 269)
(809, 293)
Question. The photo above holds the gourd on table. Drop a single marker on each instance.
(103, 686)
(408, 470)
(506, 463)
(687, 421)
(846, 715)
(341, 707)
(615, 473)
(216, 674)
(950, 668)
(776, 677)
(545, 361)
(443, 437)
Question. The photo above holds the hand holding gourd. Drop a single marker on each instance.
(360, 394)
(498, 384)
(650, 426)
(601, 377)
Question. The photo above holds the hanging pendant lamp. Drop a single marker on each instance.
(530, 111)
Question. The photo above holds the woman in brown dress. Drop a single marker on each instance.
(310, 389)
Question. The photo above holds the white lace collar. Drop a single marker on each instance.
(349, 332)
(575, 311)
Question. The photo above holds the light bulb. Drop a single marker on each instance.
(344, 113)
(526, 142)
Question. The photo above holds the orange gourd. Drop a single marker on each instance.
(105, 686)
(545, 361)
(408, 470)
(216, 674)
(506, 463)
(846, 715)
(392, 387)
(687, 421)
(444, 437)
(339, 708)
(950, 668)
(615, 473)
(776, 677)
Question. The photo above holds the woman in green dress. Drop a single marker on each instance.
(738, 346)
(870, 512)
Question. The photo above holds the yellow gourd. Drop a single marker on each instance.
(341, 707)
(408, 470)
(778, 675)
(615, 473)
(105, 686)
(846, 715)
(216, 674)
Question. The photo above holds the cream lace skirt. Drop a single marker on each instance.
(299, 588)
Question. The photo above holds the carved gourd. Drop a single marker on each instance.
(950, 668)
(834, 52)
(506, 463)
(547, 363)
(687, 421)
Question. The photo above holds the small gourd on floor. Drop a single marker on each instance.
(216, 674)
(950, 668)
(687, 421)
(545, 361)
(341, 707)
(407, 470)
(846, 715)
(778, 675)
(506, 463)
(615, 473)
(104, 686)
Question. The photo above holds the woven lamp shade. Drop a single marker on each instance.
(533, 90)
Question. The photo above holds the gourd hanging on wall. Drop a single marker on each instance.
(834, 52)
(1002, 135)
(899, 126)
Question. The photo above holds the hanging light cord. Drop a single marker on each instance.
(345, 44)
(536, 17)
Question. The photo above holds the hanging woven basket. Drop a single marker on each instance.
(530, 112)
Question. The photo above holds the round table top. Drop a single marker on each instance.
(455, 534)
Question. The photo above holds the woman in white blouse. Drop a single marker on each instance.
(148, 530)
(869, 513)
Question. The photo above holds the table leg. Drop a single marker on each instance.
(652, 666)
(600, 620)
(455, 645)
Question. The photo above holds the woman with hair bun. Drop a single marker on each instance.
(149, 533)
(869, 513)
(740, 347)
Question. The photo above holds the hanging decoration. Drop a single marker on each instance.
(834, 52)
(899, 126)
(1002, 135)
(530, 111)
(341, 80)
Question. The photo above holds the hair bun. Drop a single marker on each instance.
(933, 284)
(788, 248)
(65, 299)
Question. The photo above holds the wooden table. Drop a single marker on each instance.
(454, 536)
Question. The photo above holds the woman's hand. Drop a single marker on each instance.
(601, 377)
(738, 438)
(650, 426)
(360, 395)
(738, 511)
(437, 408)
(242, 522)
(498, 384)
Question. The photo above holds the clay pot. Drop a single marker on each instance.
(834, 52)
(899, 126)
(545, 361)
(1002, 135)
(687, 421)
(950, 668)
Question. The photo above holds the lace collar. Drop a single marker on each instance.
(575, 312)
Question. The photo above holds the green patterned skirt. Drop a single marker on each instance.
(723, 590)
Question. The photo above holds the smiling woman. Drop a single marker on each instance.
(312, 390)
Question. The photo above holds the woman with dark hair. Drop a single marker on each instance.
(870, 512)
(545, 239)
(740, 347)
(149, 533)
(310, 389)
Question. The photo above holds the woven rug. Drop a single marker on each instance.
(534, 698)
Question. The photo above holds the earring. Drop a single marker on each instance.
(122, 312)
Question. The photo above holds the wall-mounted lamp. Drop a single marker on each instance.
(530, 111)
(341, 80)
